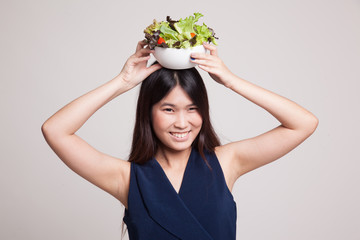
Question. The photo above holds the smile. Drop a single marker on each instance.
(180, 135)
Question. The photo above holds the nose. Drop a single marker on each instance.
(181, 120)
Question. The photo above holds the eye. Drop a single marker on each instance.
(168, 110)
(193, 109)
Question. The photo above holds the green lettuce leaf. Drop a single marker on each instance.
(186, 27)
(153, 27)
(185, 44)
(168, 33)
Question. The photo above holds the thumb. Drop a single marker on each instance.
(153, 68)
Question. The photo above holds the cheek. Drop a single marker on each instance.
(160, 122)
(197, 120)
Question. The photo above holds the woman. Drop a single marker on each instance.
(177, 183)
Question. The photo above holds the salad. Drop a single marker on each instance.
(184, 33)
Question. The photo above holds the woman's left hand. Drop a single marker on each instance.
(212, 64)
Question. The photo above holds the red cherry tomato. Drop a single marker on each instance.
(161, 40)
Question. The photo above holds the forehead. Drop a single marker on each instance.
(177, 96)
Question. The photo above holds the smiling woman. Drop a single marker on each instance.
(177, 183)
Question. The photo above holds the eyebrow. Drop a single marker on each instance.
(173, 105)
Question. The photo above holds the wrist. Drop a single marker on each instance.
(122, 85)
(230, 80)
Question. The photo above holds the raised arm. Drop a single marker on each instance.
(296, 123)
(109, 173)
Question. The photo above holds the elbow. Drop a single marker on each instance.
(48, 130)
(45, 129)
(52, 131)
(311, 124)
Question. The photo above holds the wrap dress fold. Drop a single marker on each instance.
(204, 208)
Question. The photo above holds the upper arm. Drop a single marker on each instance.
(238, 158)
(108, 173)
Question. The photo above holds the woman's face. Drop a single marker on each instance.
(176, 120)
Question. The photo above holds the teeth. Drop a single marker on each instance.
(180, 135)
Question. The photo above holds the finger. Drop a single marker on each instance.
(210, 62)
(144, 52)
(141, 45)
(141, 59)
(211, 48)
(200, 61)
(206, 65)
(200, 56)
(205, 68)
(154, 68)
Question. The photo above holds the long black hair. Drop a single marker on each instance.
(145, 143)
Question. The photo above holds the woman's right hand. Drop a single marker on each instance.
(135, 69)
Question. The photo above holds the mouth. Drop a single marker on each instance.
(180, 135)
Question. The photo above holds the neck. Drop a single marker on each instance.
(172, 159)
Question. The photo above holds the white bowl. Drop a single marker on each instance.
(175, 58)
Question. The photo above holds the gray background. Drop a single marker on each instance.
(307, 50)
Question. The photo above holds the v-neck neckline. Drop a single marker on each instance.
(183, 176)
(163, 204)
